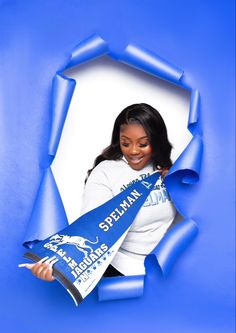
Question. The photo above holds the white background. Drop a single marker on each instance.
(104, 88)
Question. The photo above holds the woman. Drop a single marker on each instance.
(139, 146)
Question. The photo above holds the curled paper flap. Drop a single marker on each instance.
(188, 166)
(150, 63)
(91, 48)
(174, 243)
(120, 287)
(48, 214)
(194, 111)
(62, 92)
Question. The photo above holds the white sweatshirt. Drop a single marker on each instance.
(156, 215)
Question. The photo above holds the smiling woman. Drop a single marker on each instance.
(140, 136)
(139, 146)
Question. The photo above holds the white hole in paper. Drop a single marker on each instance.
(104, 88)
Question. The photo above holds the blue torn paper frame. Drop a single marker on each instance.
(85, 248)
(48, 205)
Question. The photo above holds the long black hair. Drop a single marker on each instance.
(153, 125)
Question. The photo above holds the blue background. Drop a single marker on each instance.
(35, 40)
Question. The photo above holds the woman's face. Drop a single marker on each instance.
(135, 145)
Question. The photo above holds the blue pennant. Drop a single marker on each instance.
(85, 248)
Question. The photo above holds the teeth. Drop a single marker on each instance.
(136, 160)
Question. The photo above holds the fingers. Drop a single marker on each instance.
(43, 268)
(30, 266)
(47, 273)
(40, 265)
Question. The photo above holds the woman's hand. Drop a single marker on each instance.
(42, 269)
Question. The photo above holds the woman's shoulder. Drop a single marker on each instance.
(108, 167)
(108, 164)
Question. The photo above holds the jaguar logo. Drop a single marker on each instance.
(81, 243)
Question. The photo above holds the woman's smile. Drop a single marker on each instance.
(135, 160)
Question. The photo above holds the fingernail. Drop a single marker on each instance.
(43, 259)
(53, 262)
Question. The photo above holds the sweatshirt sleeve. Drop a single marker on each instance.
(97, 189)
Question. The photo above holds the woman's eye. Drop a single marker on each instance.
(143, 145)
(125, 144)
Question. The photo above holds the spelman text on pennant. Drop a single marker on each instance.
(119, 211)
